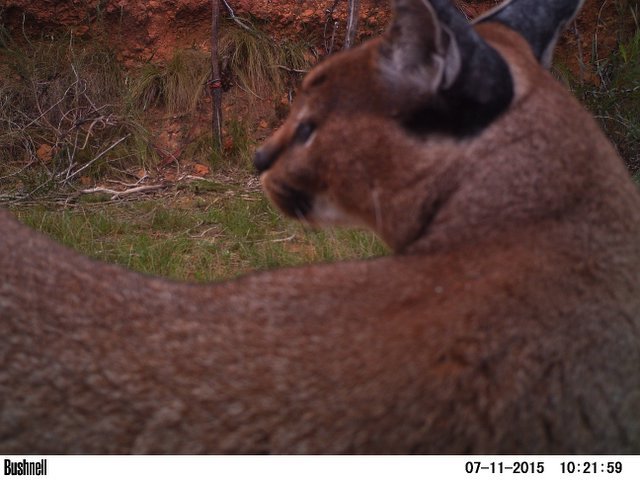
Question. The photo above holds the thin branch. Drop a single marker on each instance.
(239, 21)
(45, 112)
(352, 23)
(129, 185)
(215, 85)
(248, 90)
(24, 32)
(292, 70)
(100, 155)
(121, 193)
(280, 240)
(328, 47)
(18, 172)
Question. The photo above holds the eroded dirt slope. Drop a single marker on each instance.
(154, 29)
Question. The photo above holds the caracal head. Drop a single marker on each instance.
(325, 164)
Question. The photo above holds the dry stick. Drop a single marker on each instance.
(88, 164)
(26, 167)
(596, 46)
(328, 47)
(71, 153)
(248, 90)
(352, 23)
(292, 70)
(129, 185)
(580, 54)
(120, 193)
(43, 113)
(235, 18)
(24, 32)
(215, 84)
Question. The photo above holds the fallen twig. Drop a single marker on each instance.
(287, 239)
(120, 193)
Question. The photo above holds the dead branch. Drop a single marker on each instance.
(121, 193)
(239, 21)
(215, 84)
(330, 20)
(69, 176)
(292, 70)
(352, 23)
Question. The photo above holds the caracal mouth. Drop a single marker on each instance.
(291, 201)
(313, 209)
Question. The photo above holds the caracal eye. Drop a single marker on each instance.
(304, 131)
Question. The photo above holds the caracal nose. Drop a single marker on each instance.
(263, 159)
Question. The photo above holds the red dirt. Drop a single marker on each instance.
(141, 31)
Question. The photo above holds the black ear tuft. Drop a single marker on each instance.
(540, 22)
(445, 75)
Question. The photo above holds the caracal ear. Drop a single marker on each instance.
(540, 22)
(432, 58)
(418, 52)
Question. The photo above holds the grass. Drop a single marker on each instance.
(177, 86)
(616, 104)
(217, 234)
(249, 59)
(258, 64)
(241, 147)
(235, 154)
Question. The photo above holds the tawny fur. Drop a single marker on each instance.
(509, 323)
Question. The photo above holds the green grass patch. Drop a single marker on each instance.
(201, 238)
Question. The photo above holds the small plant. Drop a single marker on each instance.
(236, 151)
(258, 64)
(241, 146)
(202, 150)
(147, 86)
(177, 86)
